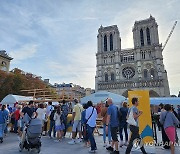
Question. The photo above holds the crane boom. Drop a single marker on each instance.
(169, 35)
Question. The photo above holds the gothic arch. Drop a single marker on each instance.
(145, 73)
(106, 77)
(153, 93)
(148, 36)
(125, 93)
(142, 37)
(105, 43)
(112, 76)
(111, 42)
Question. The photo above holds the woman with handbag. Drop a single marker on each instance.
(169, 122)
(132, 119)
(91, 116)
(59, 124)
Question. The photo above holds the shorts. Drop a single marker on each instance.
(114, 131)
(76, 126)
(60, 127)
(171, 133)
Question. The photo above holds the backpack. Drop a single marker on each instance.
(52, 115)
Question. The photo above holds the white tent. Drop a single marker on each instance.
(11, 99)
(102, 96)
(165, 100)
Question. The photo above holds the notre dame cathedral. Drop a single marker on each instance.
(120, 70)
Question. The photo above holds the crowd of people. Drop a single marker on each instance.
(115, 120)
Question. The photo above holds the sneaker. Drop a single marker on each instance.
(105, 145)
(110, 149)
(78, 141)
(92, 151)
(72, 142)
(19, 139)
(121, 144)
(56, 141)
(116, 152)
(126, 143)
(1, 140)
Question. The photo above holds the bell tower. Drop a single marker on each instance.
(145, 33)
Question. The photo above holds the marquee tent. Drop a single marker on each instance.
(102, 96)
(165, 100)
(11, 99)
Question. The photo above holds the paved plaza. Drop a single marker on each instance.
(10, 146)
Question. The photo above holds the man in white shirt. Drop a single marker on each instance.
(91, 116)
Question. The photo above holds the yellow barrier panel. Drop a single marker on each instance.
(145, 121)
(69, 126)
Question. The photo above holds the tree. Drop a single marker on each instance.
(16, 80)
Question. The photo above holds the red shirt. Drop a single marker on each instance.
(17, 114)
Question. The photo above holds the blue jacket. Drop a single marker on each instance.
(3, 116)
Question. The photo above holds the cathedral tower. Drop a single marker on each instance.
(119, 70)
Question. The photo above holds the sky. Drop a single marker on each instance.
(57, 39)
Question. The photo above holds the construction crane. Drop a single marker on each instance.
(169, 35)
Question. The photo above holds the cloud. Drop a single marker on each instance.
(23, 53)
(60, 36)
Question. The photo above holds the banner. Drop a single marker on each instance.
(145, 121)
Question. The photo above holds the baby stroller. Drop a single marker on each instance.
(32, 136)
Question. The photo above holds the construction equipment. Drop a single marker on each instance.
(169, 35)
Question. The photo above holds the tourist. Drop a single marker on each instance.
(65, 111)
(165, 139)
(12, 117)
(178, 112)
(7, 122)
(49, 109)
(104, 115)
(91, 116)
(134, 128)
(3, 120)
(28, 111)
(123, 111)
(52, 123)
(113, 121)
(41, 113)
(76, 119)
(59, 124)
(84, 126)
(17, 117)
(169, 122)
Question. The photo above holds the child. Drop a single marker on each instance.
(59, 124)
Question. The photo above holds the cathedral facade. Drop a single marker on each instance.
(140, 68)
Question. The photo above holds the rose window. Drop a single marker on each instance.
(128, 72)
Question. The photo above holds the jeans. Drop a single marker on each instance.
(16, 126)
(65, 124)
(134, 135)
(91, 137)
(104, 133)
(52, 128)
(6, 129)
(121, 127)
(2, 127)
(85, 132)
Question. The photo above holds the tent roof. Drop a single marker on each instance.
(11, 99)
(102, 96)
(165, 100)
